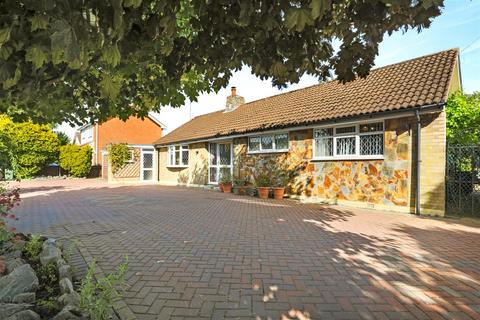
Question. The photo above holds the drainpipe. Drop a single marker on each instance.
(96, 144)
(419, 162)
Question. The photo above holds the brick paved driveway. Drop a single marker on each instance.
(202, 254)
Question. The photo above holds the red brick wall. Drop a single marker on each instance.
(132, 131)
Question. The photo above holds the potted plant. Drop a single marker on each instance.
(281, 180)
(263, 185)
(226, 183)
(239, 186)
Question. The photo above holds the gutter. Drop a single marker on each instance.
(354, 119)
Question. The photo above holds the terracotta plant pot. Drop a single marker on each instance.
(226, 188)
(220, 186)
(263, 192)
(278, 193)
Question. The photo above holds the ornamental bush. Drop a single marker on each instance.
(76, 160)
(26, 147)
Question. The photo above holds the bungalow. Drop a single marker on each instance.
(377, 142)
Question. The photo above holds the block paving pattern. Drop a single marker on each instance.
(198, 254)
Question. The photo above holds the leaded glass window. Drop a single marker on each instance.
(353, 141)
(268, 143)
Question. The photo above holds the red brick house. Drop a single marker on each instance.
(138, 133)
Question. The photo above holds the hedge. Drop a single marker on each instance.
(76, 160)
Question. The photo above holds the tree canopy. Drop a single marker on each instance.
(78, 60)
(463, 118)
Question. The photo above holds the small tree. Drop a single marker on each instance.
(76, 160)
(118, 154)
(463, 118)
(63, 138)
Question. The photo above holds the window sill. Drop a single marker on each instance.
(346, 158)
(267, 151)
(177, 166)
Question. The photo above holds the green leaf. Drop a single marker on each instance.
(298, 18)
(111, 55)
(132, 3)
(37, 56)
(4, 35)
(39, 21)
(7, 84)
(5, 52)
(169, 24)
(109, 87)
(319, 7)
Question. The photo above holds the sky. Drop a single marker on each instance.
(457, 27)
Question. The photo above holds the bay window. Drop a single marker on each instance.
(177, 156)
(356, 141)
(268, 143)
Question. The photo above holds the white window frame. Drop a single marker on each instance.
(132, 156)
(183, 147)
(86, 135)
(274, 149)
(357, 134)
(217, 164)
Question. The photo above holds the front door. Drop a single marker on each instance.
(147, 163)
(220, 162)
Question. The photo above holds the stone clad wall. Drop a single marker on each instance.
(377, 182)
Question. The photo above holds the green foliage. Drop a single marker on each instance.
(96, 298)
(463, 118)
(33, 247)
(238, 182)
(51, 304)
(76, 160)
(9, 198)
(27, 147)
(226, 178)
(99, 59)
(263, 180)
(63, 138)
(118, 154)
(48, 278)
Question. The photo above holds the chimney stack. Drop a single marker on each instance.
(234, 101)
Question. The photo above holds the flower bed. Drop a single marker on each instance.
(36, 281)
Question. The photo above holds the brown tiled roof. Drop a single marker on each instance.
(417, 82)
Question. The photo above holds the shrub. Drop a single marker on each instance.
(263, 180)
(96, 298)
(26, 146)
(8, 200)
(33, 247)
(118, 154)
(76, 160)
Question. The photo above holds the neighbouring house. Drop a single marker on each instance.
(136, 132)
(377, 142)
